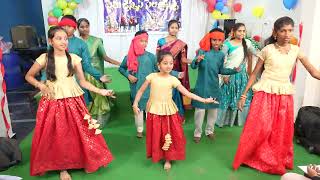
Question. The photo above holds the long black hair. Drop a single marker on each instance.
(244, 43)
(278, 24)
(51, 67)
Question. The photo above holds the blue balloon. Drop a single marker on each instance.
(224, 1)
(290, 4)
(219, 6)
(219, 1)
(225, 10)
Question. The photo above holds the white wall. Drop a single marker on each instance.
(310, 45)
(117, 45)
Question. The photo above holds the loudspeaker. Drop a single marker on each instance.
(24, 37)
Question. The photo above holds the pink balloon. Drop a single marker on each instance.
(52, 21)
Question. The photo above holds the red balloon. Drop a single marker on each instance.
(237, 7)
(257, 38)
(210, 5)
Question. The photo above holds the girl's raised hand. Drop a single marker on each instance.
(211, 100)
(107, 92)
(136, 109)
(200, 58)
(181, 75)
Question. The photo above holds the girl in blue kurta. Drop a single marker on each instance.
(138, 64)
(209, 61)
(239, 52)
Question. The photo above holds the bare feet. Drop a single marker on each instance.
(139, 135)
(167, 166)
(211, 136)
(196, 139)
(64, 175)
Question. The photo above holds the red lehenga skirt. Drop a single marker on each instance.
(266, 142)
(157, 127)
(62, 140)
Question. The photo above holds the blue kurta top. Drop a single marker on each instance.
(147, 65)
(207, 84)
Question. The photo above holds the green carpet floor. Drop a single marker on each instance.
(207, 160)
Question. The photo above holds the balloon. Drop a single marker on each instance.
(62, 4)
(50, 13)
(258, 11)
(237, 7)
(67, 11)
(57, 12)
(216, 14)
(257, 38)
(225, 10)
(52, 20)
(210, 5)
(219, 6)
(78, 1)
(290, 4)
(225, 16)
(294, 40)
(224, 1)
(72, 5)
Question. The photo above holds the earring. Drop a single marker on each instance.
(275, 37)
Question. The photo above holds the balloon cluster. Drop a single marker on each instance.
(62, 8)
(219, 9)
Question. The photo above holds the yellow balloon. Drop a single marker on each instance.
(72, 5)
(258, 11)
(216, 14)
(67, 11)
(62, 4)
(50, 14)
(225, 16)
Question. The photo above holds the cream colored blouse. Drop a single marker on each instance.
(160, 100)
(64, 86)
(278, 67)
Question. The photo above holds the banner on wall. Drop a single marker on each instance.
(122, 16)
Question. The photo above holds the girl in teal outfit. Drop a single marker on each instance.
(239, 52)
(209, 61)
(138, 64)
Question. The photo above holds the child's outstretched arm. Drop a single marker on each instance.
(30, 77)
(185, 92)
(87, 85)
(310, 68)
(138, 96)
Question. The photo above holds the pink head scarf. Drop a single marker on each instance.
(135, 50)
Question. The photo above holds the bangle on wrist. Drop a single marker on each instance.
(243, 96)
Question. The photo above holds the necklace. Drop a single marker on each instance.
(283, 49)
